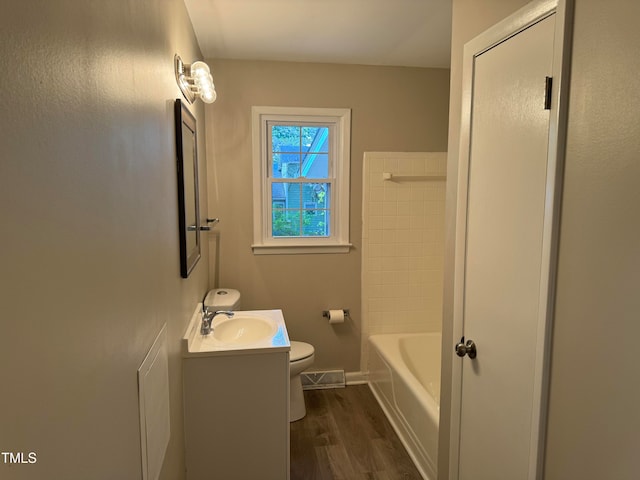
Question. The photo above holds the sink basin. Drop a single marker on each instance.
(242, 329)
(247, 332)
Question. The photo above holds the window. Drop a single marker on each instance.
(301, 180)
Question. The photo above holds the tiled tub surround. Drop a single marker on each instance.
(402, 243)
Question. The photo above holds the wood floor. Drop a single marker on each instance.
(345, 435)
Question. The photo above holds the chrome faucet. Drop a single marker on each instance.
(208, 316)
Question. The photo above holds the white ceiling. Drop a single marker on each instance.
(414, 33)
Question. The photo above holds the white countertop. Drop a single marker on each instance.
(194, 344)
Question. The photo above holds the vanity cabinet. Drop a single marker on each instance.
(237, 416)
(236, 397)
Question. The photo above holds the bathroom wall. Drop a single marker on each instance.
(593, 421)
(402, 243)
(89, 242)
(593, 432)
(393, 109)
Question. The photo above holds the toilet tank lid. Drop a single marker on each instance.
(222, 297)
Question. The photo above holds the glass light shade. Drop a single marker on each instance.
(208, 95)
(199, 69)
(195, 81)
(202, 80)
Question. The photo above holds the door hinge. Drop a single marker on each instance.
(548, 84)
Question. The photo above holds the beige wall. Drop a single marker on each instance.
(393, 109)
(89, 253)
(595, 382)
(593, 416)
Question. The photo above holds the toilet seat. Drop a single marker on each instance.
(300, 351)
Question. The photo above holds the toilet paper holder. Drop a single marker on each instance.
(325, 313)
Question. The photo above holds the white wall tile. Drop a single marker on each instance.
(403, 238)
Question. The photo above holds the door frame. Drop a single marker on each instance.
(507, 28)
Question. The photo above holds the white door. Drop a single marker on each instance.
(502, 288)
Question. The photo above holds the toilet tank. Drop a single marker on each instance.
(222, 299)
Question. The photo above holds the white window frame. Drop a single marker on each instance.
(339, 120)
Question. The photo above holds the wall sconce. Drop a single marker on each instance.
(195, 81)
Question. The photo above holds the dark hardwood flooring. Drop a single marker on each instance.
(345, 435)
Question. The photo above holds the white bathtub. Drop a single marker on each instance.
(404, 375)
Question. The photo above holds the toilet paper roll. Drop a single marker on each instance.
(336, 316)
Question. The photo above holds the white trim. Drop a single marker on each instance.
(555, 177)
(154, 406)
(338, 242)
(356, 378)
(298, 249)
(514, 24)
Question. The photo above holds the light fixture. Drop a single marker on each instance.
(195, 81)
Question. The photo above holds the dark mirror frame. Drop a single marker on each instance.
(188, 193)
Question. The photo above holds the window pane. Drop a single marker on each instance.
(279, 194)
(315, 223)
(285, 138)
(287, 194)
(315, 165)
(289, 157)
(317, 193)
(285, 223)
(316, 214)
(286, 165)
(300, 209)
(290, 169)
(315, 139)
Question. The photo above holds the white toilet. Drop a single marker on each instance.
(222, 299)
(300, 358)
(301, 355)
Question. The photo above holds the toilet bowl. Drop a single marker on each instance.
(301, 355)
(300, 358)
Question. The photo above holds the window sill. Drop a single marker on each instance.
(300, 249)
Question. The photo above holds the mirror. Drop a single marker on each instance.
(188, 205)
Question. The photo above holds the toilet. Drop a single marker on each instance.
(222, 299)
(301, 355)
(300, 358)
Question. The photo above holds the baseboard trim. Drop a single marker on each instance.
(357, 378)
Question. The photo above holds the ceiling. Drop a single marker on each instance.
(412, 33)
